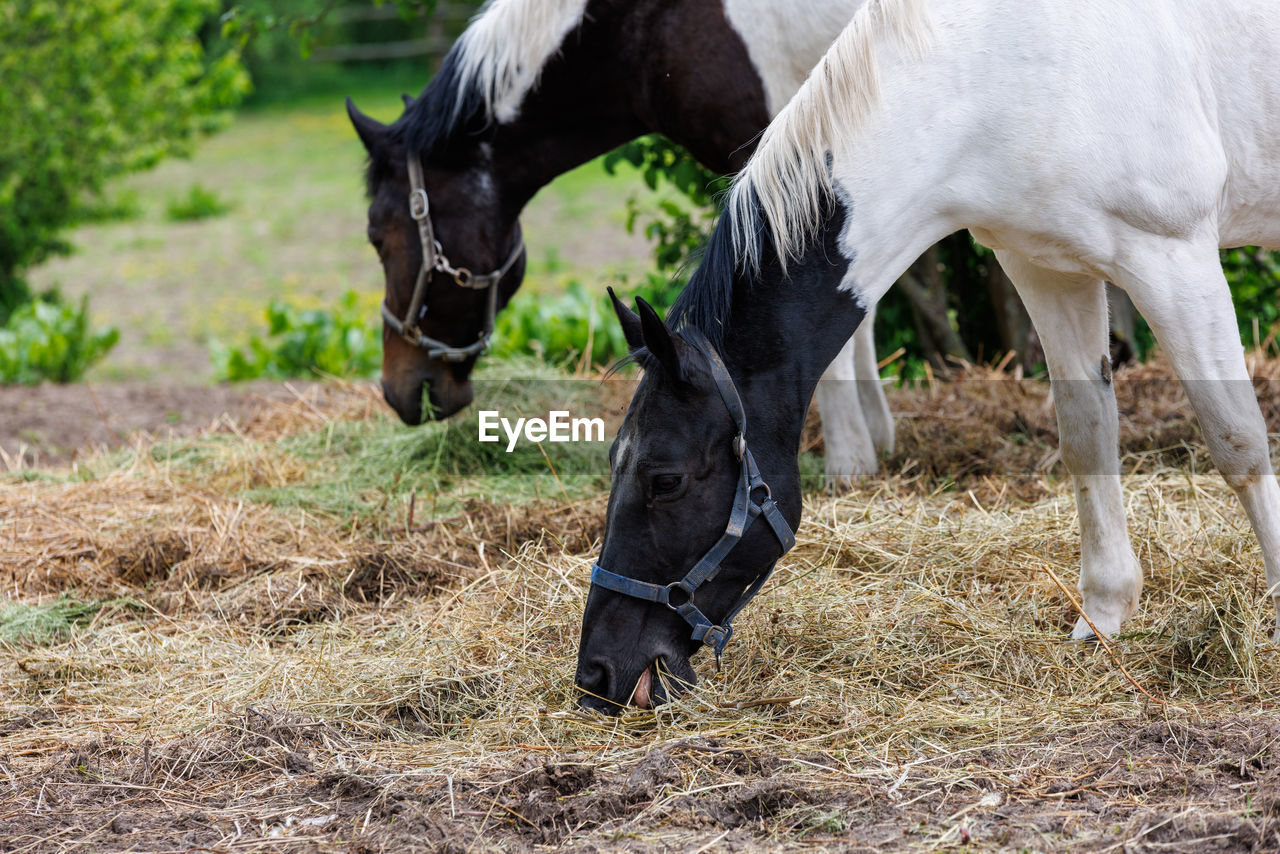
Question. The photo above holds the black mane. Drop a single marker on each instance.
(440, 116)
(443, 112)
(706, 301)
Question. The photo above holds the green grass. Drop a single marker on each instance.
(199, 203)
(42, 625)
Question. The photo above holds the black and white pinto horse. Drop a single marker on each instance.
(1085, 142)
(534, 88)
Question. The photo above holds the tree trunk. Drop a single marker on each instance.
(924, 286)
(1012, 320)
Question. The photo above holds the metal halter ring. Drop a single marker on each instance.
(683, 587)
(434, 260)
(420, 207)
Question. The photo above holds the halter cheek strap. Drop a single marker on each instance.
(434, 260)
(679, 595)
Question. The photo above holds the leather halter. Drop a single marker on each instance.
(679, 595)
(434, 260)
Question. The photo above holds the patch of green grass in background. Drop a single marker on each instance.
(362, 472)
(199, 203)
(297, 233)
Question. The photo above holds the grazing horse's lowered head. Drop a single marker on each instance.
(437, 273)
(705, 480)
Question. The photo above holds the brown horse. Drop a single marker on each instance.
(534, 88)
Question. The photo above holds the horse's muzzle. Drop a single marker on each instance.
(444, 398)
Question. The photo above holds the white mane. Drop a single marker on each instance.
(508, 42)
(788, 173)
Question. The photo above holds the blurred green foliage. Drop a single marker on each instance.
(343, 342)
(1254, 277)
(278, 40)
(678, 228)
(94, 88)
(198, 203)
(563, 327)
(48, 339)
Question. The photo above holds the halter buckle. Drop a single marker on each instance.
(419, 206)
(739, 446)
(462, 276)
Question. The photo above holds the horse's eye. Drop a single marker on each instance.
(665, 483)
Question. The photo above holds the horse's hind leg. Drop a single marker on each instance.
(849, 449)
(1181, 291)
(1070, 314)
(875, 408)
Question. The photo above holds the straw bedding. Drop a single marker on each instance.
(266, 680)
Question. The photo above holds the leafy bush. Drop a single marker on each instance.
(198, 203)
(93, 89)
(48, 339)
(564, 326)
(677, 230)
(303, 343)
(1254, 277)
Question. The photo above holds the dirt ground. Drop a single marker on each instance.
(264, 780)
(49, 424)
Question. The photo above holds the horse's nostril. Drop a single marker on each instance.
(592, 676)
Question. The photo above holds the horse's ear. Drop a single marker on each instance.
(658, 338)
(630, 321)
(407, 98)
(372, 132)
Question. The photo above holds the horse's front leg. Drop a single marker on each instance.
(1070, 314)
(849, 448)
(875, 407)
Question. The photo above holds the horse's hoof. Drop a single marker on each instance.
(839, 484)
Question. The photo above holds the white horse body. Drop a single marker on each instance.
(1084, 141)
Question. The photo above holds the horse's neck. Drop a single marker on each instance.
(634, 68)
(783, 331)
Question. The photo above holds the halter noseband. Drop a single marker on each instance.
(433, 260)
(741, 515)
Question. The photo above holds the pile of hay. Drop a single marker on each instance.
(904, 683)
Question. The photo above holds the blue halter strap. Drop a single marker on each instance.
(679, 595)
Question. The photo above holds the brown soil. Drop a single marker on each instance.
(54, 424)
(270, 780)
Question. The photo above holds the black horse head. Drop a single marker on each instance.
(677, 469)
(676, 466)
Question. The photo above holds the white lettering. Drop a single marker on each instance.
(512, 435)
(559, 426)
(488, 425)
(587, 425)
(535, 430)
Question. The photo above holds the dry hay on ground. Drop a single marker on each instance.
(994, 432)
(903, 684)
(177, 550)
